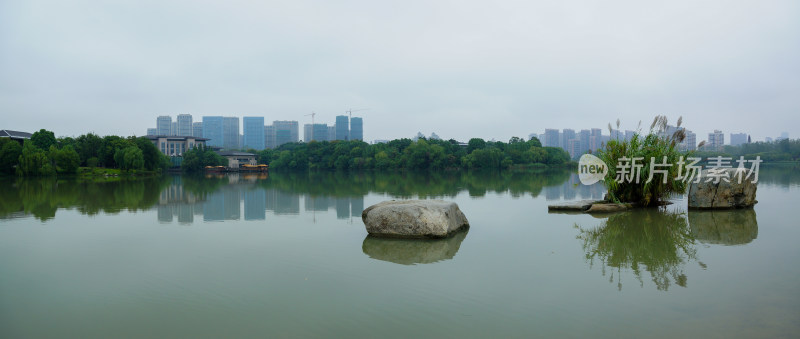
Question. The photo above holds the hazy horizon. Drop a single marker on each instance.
(459, 69)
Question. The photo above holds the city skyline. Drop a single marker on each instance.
(340, 130)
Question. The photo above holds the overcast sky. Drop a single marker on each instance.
(461, 69)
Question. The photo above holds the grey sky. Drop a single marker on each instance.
(457, 68)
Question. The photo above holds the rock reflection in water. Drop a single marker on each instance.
(413, 251)
(651, 240)
(726, 227)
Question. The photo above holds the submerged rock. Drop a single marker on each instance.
(576, 206)
(724, 194)
(413, 219)
(413, 251)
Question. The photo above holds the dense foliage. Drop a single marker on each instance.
(650, 146)
(196, 159)
(422, 154)
(44, 154)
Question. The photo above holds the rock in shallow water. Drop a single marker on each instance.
(722, 195)
(414, 219)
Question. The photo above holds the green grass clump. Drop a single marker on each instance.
(656, 144)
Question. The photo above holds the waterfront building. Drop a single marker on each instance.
(175, 146)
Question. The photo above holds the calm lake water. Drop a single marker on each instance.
(286, 255)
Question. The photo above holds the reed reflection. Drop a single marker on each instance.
(651, 240)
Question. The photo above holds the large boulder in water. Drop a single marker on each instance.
(723, 194)
(414, 219)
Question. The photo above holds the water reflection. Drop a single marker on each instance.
(413, 251)
(726, 227)
(42, 197)
(652, 240)
(572, 189)
(221, 197)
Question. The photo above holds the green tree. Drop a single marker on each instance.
(129, 158)
(196, 159)
(153, 158)
(67, 160)
(43, 139)
(475, 143)
(89, 146)
(10, 150)
(33, 161)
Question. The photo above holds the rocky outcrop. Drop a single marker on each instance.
(414, 219)
(413, 251)
(723, 194)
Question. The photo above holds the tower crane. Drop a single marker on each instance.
(312, 124)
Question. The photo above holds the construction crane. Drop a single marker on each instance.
(350, 111)
(312, 125)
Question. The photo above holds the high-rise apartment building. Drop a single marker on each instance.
(331, 133)
(567, 134)
(283, 136)
(230, 133)
(584, 136)
(318, 132)
(342, 128)
(689, 141)
(269, 136)
(197, 129)
(212, 130)
(574, 148)
(293, 127)
(163, 125)
(596, 139)
(716, 140)
(552, 138)
(356, 128)
(629, 134)
(253, 132)
(738, 139)
(184, 125)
